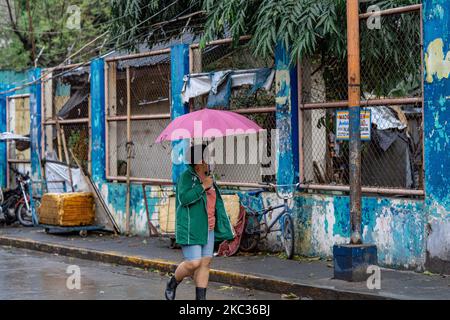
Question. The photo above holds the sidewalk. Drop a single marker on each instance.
(306, 278)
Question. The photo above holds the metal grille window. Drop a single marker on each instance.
(246, 167)
(18, 123)
(66, 115)
(392, 159)
(138, 110)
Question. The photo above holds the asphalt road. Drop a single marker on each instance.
(30, 275)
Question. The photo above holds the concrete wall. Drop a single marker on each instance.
(437, 132)
(396, 226)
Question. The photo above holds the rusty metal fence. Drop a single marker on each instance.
(137, 110)
(243, 161)
(66, 115)
(391, 87)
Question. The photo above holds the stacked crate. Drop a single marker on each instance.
(67, 209)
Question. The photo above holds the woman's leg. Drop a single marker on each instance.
(192, 254)
(201, 276)
(187, 269)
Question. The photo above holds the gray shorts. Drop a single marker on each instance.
(197, 252)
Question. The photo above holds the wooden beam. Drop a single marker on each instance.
(66, 155)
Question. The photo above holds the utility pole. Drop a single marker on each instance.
(354, 100)
(30, 29)
(351, 261)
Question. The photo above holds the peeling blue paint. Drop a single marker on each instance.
(286, 117)
(13, 79)
(436, 15)
(98, 143)
(396, 226)
(35, 135)
(342, 215)
(3, 156)
(179, 65)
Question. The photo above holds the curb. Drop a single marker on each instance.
(221, 276)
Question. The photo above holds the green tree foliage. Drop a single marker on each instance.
(138, 21)
(50, 20)
(311, 29)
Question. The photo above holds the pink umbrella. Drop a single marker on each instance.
(208, 123)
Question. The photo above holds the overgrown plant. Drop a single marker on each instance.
(51, 26)
(310, 28)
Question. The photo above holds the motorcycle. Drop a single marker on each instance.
(8, 202)
(23, 205)
(15, 203)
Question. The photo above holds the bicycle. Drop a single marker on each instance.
(255, 229)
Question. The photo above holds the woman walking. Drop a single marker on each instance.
(201, 220)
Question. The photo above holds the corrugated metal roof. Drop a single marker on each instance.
(157, 59)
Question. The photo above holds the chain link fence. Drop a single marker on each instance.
(144, 82)
(243, 159)
(391, 89)
(66, 116)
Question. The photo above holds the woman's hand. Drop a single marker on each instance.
(207, 182)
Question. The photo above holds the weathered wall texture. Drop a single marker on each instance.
(8, 80)
(396, 226)
(115, 195)
(437, 132)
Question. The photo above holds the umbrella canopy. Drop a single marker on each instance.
(208, 123)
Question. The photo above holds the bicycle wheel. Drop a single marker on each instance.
(288, 236)
(251, 235)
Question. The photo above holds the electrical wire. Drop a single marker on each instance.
(160, 24)
(8, 27)
(87, 62)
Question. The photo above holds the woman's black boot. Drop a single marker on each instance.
(200, 293)
(171, 288)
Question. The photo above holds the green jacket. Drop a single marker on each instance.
(191, 214)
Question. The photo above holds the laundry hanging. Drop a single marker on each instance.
(218, 84)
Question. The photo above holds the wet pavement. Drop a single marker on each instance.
(313, 277)
(30, 275)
